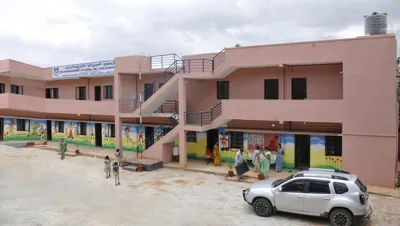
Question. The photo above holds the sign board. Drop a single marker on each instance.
(94, 69)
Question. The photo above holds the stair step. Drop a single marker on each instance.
(131, 168)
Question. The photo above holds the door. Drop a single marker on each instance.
(97, 93)
(271, 89)
(291, 197)
(1, 128)
(302, 151)
(299, 88)
(149, 133)
(212, 138)
(148, 91)
(48, 128)
(97, 134)
(317, 198)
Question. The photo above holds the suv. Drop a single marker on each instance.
(337, 195)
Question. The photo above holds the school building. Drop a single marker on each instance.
(331, 104)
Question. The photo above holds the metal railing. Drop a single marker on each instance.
(204, 117)
(218, 59)
(197, 65)
(163, 61)
(170, 106)
(158, 133)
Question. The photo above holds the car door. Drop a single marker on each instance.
(289, 197)
(317, 197)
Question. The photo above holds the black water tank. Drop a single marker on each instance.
(375, 24)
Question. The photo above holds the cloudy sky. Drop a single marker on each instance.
(58, 32)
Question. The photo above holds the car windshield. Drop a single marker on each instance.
(281, 181)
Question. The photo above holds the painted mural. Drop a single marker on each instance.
(197, 150)
(317, 155)
(107, 140)
(132, 137)
(71, 133)
(36, 130)
(287, 141)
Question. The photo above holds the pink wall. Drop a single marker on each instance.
(323, 82)
(31, 87)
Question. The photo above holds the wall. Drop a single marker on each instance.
(71, 133)
(31, 87)
(37, 128)
(317, 155)
(323, 82)
(132, 138)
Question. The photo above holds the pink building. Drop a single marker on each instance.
(332, 104)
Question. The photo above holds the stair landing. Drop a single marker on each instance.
(148, 164)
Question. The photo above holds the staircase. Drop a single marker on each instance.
(178, 66)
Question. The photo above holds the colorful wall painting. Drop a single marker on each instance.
(287, 141)
(227, 154)
(107, 140)
(35, 129)
(197, 150)
(132, 137)
(317, 155)
(71, 133)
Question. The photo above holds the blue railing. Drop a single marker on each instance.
(204, 117)
(163, 61)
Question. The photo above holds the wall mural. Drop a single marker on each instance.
(287, 141)
(196, 150)
(132, 137)
(71, 133)
(35, 129)
(106, 139)
(317, 155)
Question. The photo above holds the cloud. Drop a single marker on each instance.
(48, 32)
(317, 147)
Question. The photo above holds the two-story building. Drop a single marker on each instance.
(331, 104)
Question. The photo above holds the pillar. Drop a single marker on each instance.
(117, 119)
(182, 132)
(118, 133)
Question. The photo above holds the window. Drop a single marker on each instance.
(2, 88)
(52, 93)
(60, 126)
(108, 92)
(17, 89)
(236, 139)
(23, 125)
(82, 128)
(295, 186)
(80, 93)
(255, 140)
(340, 188)
(333, 146)
(191, 136)
(110, 132)
(319, 187)
(222, 90)
(360, 185)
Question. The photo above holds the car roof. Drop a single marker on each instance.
(327, 174)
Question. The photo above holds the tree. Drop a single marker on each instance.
(237, 45)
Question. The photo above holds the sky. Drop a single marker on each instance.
(58, 32)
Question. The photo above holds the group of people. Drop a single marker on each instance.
(261, 160)
(213, 155)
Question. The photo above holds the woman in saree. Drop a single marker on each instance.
(279, 159)
(265, 158)
(63, 148)
(216, 155)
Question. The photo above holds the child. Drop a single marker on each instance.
(118, 157)
(116, 173)
(107, 167)
(208, 155)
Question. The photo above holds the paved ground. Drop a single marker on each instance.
(37, 188)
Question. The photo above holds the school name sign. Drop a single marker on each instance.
(100, 68)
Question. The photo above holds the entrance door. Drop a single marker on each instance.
(97, 93)
(271, 89)
(1, 128)
(148, 91)
(302, 151)
(212, 138)
(299, 88)
(97, 134)
(149, 133)
(48, 128)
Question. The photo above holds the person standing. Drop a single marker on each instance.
(116, 173)
(118, 157)
(255, 159)
(107, 166)
(208, 155)
(217, 155)
(63, 148)
(175, 153)
(279, 159)
(265, 158)
(240, 165)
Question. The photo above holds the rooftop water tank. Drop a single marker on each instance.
(375, 24)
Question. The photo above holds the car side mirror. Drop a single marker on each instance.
(280, 189)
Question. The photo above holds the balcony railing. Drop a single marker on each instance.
(218, 59)
(163, 61)
(203, 118)
(170, 106)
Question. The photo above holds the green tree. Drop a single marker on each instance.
(237, 45)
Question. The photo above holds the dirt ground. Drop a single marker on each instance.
(37, 188)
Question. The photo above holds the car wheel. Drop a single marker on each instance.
(263, 207)
(341, 217)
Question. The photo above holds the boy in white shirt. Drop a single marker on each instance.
(175, 153)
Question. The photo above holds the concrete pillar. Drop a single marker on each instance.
(182, 132)
(118, 133)
(117, 119)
